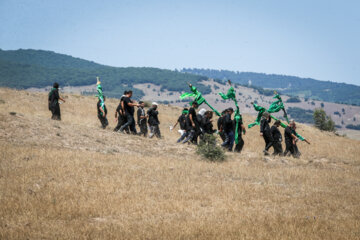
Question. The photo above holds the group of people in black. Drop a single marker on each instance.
(195, 125)
(273, 138)
(192, 125)
(124, 116)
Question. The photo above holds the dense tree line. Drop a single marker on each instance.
(36, 68)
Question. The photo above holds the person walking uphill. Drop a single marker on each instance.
(241, 130)
(277, 138)
(102, 113)
(128, 106)
(182, 123)
(192, 125)
(141, 119)
(265, 132)
(53, 100)
(228, 129)
(154, 121)
(120, 114)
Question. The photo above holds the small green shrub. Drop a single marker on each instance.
(209, 149)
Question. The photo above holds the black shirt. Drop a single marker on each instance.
(207, 125)
(141, 113)
(276, 134)
(287, 134)
(264, 125)
(54, 96)
(228, 124)
(182, 121)
(128, 109)
(153, 116)
(192, 112)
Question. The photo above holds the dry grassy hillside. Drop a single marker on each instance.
(71, 179)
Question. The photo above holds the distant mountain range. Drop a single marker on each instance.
(295, 86)
(37, 68)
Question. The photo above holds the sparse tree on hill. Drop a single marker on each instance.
(322, 121)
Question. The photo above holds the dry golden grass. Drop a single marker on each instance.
(73, 180)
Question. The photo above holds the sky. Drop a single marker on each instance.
(308, 38)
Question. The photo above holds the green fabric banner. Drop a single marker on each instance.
(259, 109)
(237, 117)
(197, 98)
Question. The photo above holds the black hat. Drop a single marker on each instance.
(230, 109)
(56, 85)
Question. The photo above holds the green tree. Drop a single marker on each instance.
(322, 121)
(209, 149)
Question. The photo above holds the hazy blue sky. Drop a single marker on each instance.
(306, 38)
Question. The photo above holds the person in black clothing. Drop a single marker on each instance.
(182, 123)
(265, 132)
(141, 119)
(154, 121)
(128, 105)
(120, 116)
(206, 123)
(192, 125)
(228, 129)
(102, 113)
(220, 125)
(277, 138)
(53, 101)
(290, 140)
(241, 129)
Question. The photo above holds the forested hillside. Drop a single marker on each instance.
(37, 68)
(304, 87)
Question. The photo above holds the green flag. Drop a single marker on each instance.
(198, 98)
(277, 106)
(237, 117)
(260, 111)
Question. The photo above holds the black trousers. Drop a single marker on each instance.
(268, 140)
(143, 128)
(103, 120)
(183, 136)
(55, 110)
(222, 135)
(290, 148)
(155, 131)
(191, 136)
(240, 145)
(277, 148)
(130, 122)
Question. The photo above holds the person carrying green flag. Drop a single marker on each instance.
(237, 116)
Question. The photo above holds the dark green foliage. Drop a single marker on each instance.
(307, 87)
(209, 149)
(353, 127)
(36, 68)
(322, 121)
(293, 100)
(301, 115)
